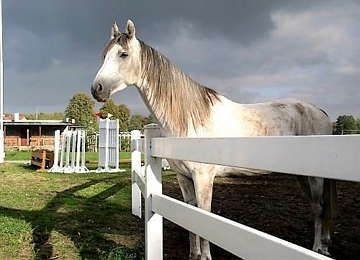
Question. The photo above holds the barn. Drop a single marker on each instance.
(24, 134)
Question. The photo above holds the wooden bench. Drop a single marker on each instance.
(42, 158)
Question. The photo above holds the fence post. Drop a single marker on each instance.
(135, 169)
(78, 151)
(73, 150)
(55, 166)
(107, 123)
(83, 149)
(62, 148)
(153, 184)
(118, 145)
(68, 136)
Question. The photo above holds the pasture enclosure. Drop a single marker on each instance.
(319, 156)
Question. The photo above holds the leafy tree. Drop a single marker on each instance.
(150, 120)
(120, 112)
(345, 122)
(137, 122)
(81, 108)
(357, 122)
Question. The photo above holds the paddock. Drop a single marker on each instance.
(254, 201)
(266, 153)
(89, 216)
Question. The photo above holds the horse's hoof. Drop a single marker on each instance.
(194, 256)
(323, 251)
(206, 257)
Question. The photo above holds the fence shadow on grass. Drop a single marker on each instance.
(88, 223)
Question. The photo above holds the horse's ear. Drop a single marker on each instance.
(114, 31)
(130, 29)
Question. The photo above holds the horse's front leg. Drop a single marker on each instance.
(187, 188)
(203, 183)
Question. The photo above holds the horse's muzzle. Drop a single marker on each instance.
(99, 93)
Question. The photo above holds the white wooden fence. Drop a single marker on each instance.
(322, 156)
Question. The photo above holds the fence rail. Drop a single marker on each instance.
(323, 156)
(329, 156)
(236, 238)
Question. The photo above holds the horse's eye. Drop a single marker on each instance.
(123, 54)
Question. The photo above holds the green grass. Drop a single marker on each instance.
(17, 155)
(92, 156)
(25, 155)
(67, 216)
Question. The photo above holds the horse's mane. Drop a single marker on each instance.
(177, 100)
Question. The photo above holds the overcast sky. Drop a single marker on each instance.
(250, 51)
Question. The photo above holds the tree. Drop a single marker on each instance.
(357, 122)
(344, 123)
(150, 120)
(120, 112)
(82, 108)
(137, 122)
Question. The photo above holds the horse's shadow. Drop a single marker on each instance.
(84, 226)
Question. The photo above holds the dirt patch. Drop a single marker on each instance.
(274, 204)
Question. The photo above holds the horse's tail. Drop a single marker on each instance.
(329, 199)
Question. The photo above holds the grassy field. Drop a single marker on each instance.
(25, 155)
(67, 216)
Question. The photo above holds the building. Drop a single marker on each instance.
(27, 134)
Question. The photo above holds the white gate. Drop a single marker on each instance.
(335, 157)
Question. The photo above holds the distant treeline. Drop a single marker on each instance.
(81, 107)
(347, 124)
(45, 116)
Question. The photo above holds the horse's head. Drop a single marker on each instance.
(121, 63)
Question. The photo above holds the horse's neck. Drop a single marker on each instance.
(179, 103)
(164, 122)
(146, 98)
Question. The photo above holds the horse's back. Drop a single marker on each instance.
(275, 118)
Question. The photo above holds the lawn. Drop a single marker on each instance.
(26, 155)
(17, 155)
(67, 216)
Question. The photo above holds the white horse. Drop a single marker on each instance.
(183, 107)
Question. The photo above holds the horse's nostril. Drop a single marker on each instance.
(99, 88)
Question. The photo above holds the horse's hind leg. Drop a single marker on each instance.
(323, 195)
(187, 188)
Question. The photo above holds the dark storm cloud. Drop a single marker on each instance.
(76, 28)
(86, 19)
(249, 50)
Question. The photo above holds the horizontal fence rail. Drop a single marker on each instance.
(236, 238)
(321, 156)
(334, 157)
